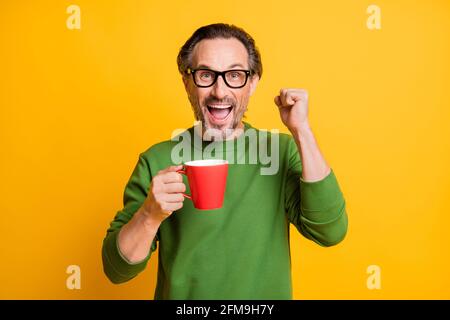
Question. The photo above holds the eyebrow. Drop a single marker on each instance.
(229, 67)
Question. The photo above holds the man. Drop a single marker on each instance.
(240, 251)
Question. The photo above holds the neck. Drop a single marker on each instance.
(217, 135)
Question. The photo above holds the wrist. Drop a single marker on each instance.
(149, 219)
(301, 129)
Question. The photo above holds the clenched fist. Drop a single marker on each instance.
(165, 193)
(293, 107)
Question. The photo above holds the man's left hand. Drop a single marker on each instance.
(293, 107)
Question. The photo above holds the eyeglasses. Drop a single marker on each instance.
(204, 78)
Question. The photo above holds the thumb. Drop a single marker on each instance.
(172, 169)
(175, 168)
(277, 101)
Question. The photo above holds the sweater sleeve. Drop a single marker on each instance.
(116, 267)
(317, 209)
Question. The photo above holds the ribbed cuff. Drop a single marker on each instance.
(321, 200)
(117, 266)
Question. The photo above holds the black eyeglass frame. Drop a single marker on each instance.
(216, 76)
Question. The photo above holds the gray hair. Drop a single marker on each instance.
(225, 31)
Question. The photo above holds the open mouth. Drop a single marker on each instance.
(220, 112)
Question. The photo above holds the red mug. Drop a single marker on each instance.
(207, 181)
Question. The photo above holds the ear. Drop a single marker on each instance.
(253, 83)
(185, 82)
(187, 87)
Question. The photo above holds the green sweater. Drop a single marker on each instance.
(240, 251)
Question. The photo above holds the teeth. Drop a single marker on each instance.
(220, 106)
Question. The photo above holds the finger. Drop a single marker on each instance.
(298, 94)
(278, 101)
(173, 197)
(283, 97)
(287, 98)
(171, 169)
(174, 187)
(172, 206)
(170, 177)
(290, 98)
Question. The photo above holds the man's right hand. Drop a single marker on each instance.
(165, 194)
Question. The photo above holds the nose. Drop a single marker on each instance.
(219, 88)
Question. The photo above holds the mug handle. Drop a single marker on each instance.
(184, 194)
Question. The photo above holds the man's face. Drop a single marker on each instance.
(219, 106)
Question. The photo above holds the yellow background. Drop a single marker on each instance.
(78, 106)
